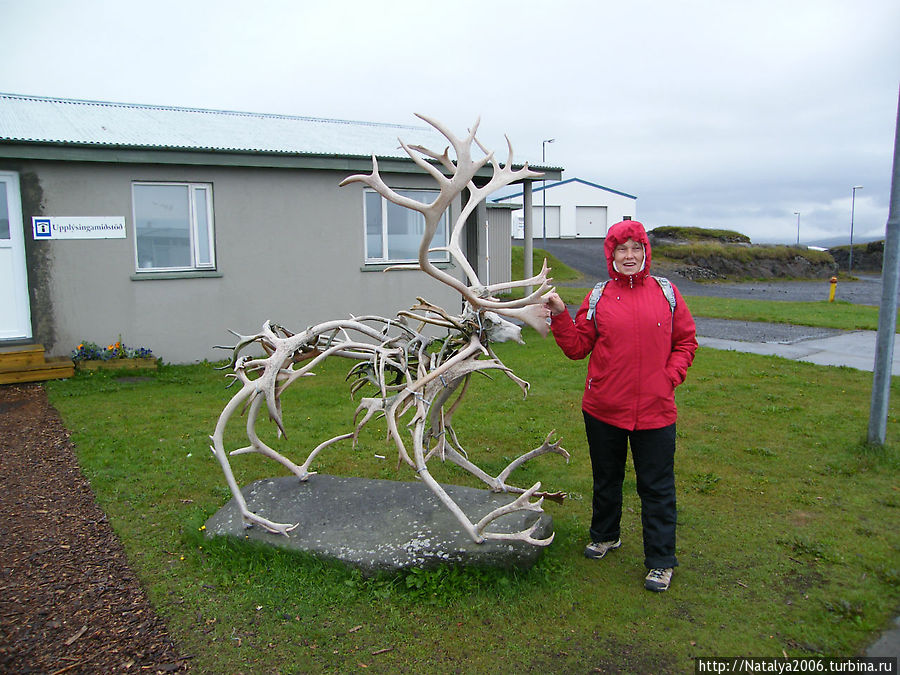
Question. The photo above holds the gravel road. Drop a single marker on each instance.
(586, 255)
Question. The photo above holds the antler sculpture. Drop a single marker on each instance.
(416, 375)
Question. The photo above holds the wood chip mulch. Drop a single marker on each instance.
(69, 603)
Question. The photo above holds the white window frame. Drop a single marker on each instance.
(436, 257)
(194, 229)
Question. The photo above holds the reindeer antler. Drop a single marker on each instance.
(462, 173)
(415, 375)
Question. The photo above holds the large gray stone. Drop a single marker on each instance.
(381, 525)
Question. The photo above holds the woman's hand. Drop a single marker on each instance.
(554, 304)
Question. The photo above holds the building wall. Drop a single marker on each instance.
(289, 247)
(498, 251)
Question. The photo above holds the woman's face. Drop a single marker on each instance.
(629, 257)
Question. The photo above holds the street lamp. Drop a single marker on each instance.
(797, 213)
(852, 209)
(544, 190)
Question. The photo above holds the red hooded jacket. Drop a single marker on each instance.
(639, 349)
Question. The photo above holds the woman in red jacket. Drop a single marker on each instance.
(641, 340)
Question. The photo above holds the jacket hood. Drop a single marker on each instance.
(619, 234)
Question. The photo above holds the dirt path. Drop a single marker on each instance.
(69, 603)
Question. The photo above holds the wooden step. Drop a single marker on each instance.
(26, 363)
(20, 356)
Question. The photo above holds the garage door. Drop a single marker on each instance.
(590, 221)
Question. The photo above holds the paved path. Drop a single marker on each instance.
(823, 346)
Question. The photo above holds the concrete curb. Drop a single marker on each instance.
(854, 349)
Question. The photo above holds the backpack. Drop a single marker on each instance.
(664, 284)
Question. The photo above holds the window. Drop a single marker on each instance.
(393, 233)
(173, 226)
(4, 210)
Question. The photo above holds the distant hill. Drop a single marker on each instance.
(688, 234)
(670, 234)
(702, 253)
(705, 254)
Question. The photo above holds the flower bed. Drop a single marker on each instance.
(90, 356)
(115, 364)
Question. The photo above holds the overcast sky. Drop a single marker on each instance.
(714, 114)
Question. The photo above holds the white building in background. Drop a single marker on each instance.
(575, 208)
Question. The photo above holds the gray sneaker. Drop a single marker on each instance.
(658, 579)
(598, 549)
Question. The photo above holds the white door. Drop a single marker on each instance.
(15, 311)
(590, 221)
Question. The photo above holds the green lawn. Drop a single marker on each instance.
(824, 314)
(559, 271)
(789, 526)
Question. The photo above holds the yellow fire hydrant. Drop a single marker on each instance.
(833, 287)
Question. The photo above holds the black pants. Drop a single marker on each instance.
(653, 454)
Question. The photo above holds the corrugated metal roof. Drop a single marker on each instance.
(35, 119)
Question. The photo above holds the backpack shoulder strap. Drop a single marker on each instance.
(595, 298)
(597, 291)
(668, 291)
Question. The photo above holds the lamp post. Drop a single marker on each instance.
(544, 190)
(852, 209)
(797, 213)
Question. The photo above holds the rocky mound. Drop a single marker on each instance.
(699, 254)
(866, 257)
(701, 267)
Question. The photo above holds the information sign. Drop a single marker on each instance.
(86, 227)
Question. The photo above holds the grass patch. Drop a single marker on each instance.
(700, 234)
(788, 536)
(559, 270)
(743, 254)
(838, 314)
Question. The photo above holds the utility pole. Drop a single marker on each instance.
(528, 243)
(887, 313)
(544, 188)
(852, 209)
